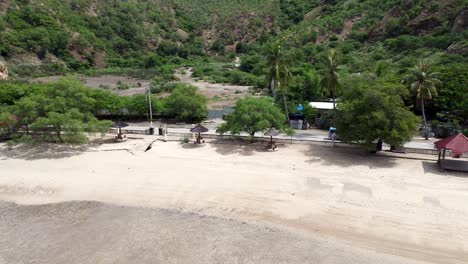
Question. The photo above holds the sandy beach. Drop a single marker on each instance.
(245, 204)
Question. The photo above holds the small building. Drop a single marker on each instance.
(322, 106)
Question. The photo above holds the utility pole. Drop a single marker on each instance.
(150, 108)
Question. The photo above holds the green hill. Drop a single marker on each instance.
(78, 34)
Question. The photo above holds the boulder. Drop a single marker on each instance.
(3, 71)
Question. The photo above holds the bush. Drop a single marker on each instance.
(122, 86)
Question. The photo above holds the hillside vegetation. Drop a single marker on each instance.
(77, 34)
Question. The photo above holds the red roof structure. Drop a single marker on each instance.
(458, 144)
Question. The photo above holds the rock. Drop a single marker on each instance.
(458, 48)
(181, 34)
(461, 22)
(3, 71)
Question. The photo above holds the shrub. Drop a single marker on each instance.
(122, 86)
(185, 104)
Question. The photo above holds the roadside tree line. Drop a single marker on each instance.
(65, 110)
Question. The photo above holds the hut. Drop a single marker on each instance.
(457, 144)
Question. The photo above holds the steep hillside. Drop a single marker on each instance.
(55, 36)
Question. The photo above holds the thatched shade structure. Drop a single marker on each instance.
(271, 133)
(199, 129)
(119, 124)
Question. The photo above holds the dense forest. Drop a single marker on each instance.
(379, 42)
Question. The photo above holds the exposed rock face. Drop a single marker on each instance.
(3, 72)
(458, 48)
(4, 5)
(461, 22)
(434, 14)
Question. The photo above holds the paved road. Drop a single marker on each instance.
(309, 134)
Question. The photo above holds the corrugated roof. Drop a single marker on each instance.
(458, 144)
(322, 105)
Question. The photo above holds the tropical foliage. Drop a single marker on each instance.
(331, 80)
(425, 83)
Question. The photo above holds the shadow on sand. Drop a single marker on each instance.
(238, 146)
(41, 151)
(347, 157)
(192, 145)
(434, 168)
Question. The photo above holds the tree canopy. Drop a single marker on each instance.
(185, 104)
(252, 115)
(372, 112)
(61, 111)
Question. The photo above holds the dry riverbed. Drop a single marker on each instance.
(218, 94)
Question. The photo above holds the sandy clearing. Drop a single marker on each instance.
(392, 206)
(218, 94)
(136, 86)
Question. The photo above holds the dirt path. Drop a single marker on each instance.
(400, 207)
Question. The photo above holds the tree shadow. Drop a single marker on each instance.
(238, 146)
(192, 145)
(347, 157)
(434, 168)
(41, 151)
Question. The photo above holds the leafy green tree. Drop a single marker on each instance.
(186, 104)
(26, 109)
(68, 127)
(61, 127)
(278, 73)
(7, 121)
(452, 95)
(137, 104)
(252, 115)
(424, 83)
(310, 113)
(106, 101)
(331, 80)
(10, 92)
(61, 111)
(68, 93)
(373, 111)
(312, 87)
(219, 45)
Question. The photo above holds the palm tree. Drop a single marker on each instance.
(425, 83)
(278, 74)
(331, 80)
